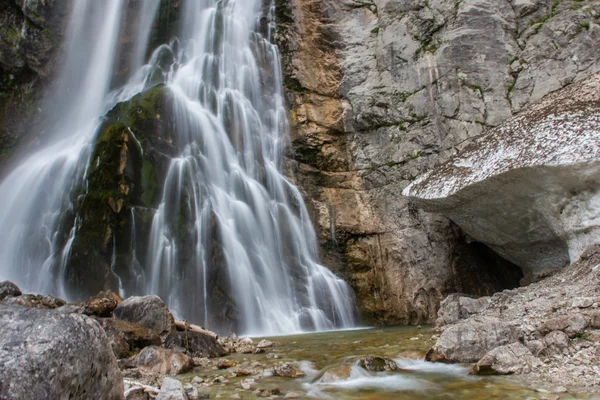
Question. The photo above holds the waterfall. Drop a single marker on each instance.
(229, 243)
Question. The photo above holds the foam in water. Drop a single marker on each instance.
(231, 128)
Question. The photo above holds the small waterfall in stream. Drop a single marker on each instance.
(228, 242)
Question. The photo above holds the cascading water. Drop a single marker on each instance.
(229, 243)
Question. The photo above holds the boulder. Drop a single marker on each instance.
(195, 344)
(147, 311)
(46, 354)
(377, 364)
(555, 343)
(470, 340)
(35, 301)
(506, 360)
(171, 389)
(132, 335)
(529, 188)
(456, 307)
(573, 325)
(161, 361)
(287, 371)
(103, 304)
(7, 288)
(336, 374)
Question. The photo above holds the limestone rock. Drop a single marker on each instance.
(555, 342)
(336, 374)
(163, 361)
(572, 325)
(529, 189)
(470, 340)
(34, 341)
(103, 304)
(377, 364)
(35, 301)
(7, 289)
(287, 371)
(456, 307)
(147, 311)
(506, 360)
(126, 337)
(195, 344)
(171, 389)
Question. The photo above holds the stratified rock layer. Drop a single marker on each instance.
(46, 354)
(530, 188)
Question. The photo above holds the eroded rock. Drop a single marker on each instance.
(34, 341)
(195, 344)
(147, 311)
(7, 289)
(506, 360)
(163, 361)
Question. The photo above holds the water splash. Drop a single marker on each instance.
(230, 243)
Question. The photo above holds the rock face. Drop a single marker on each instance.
(529, 189)
(47, 354)
(381, 91)
(147, 311)
(30, 42)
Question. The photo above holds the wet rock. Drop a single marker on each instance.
(287, 371)
(103, 304)
(247, 384)
(33, 342)
(135, 336)
(163, 361)
(470, 340)
(377, 364)
(195, 344)
(264, 344)
(506, 360)
(35, 301)
(224, 364)
(171, 389)
(7, 288)
(413, 354)
(456, 307)
(293, 395)
(336, 374)
(147, 311)
(136, 393)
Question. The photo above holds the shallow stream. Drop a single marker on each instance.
(317, 353)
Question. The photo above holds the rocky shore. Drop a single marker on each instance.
(120, 349)
(548, 331)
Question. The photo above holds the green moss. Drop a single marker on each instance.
(294, 85)
(149, 183)
(375, 30)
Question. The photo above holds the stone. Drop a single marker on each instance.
(582, 302)
(524, 187)
(134, 336)
(35, 301)
(247, 384)
(147, 311)
(136, 393)
(7, 288)
(506, 360)
(161, 361)
(34, 341)
(595, 319)
(103, 304)
(470, 340)
(456, 307)
(536, 347)
(293, 395)
(573, 325)
(225, 363)
(171, 389)
(336, 374)
(555, 342)
(377, 364)
(195, 344)
(287, 371)
(264, 344)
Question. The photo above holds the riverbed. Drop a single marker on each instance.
(317, 353)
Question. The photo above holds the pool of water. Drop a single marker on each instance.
(318, 353)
